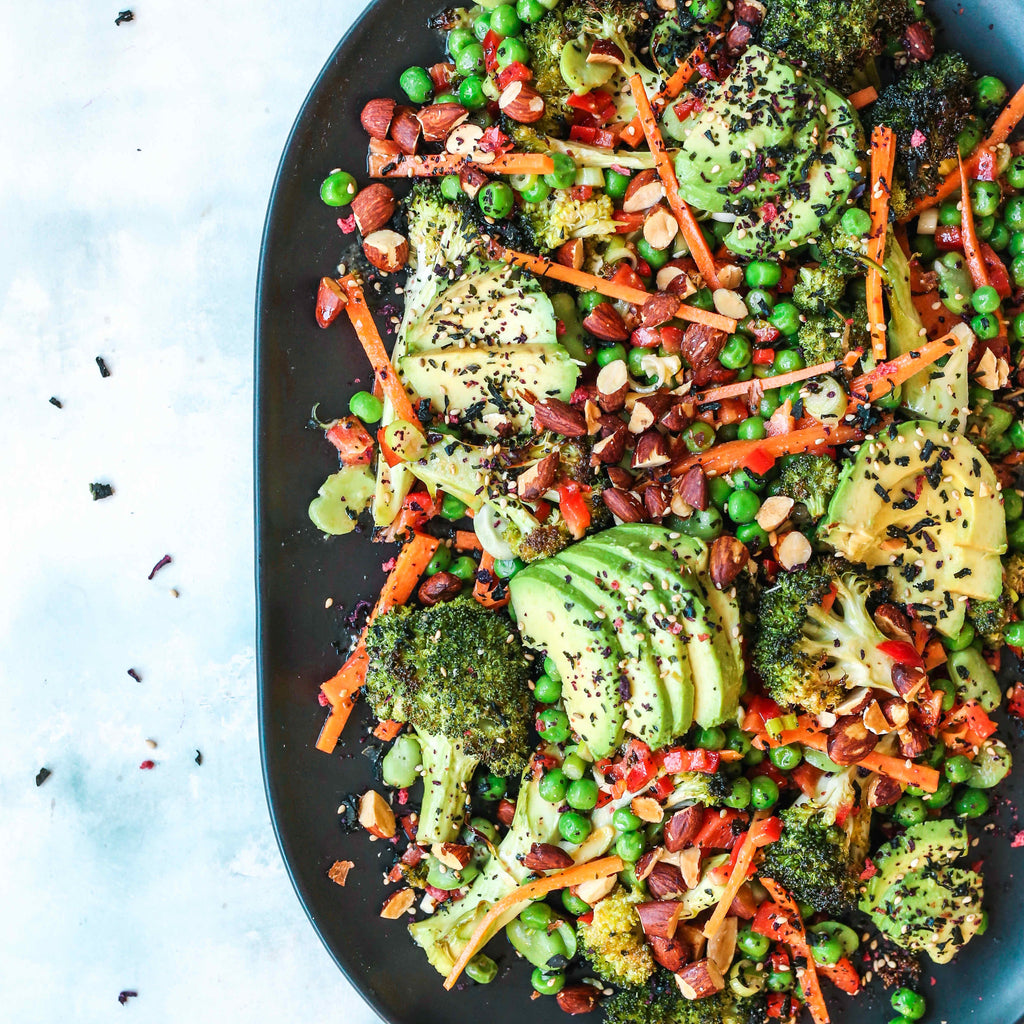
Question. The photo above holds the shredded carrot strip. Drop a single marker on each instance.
(883, 162)
(514, 901)
(743, 387)
(684, 215)
(739, 875)
(388, 729)
(724, 458)
(896, 371)
(1011, 116)
(862, 97)
(797, 940)
(633, 133)
(369, 338)
(331, 731)
(969, 235)
(467, 540)
(611, 289)
(438, 164)
(483, 592)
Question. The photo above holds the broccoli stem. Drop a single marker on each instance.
(447, 770)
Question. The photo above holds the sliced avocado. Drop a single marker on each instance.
(489, 380)
(649, 711)
(923, 504)
(556, 618)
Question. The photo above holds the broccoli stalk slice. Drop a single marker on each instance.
(447, 772)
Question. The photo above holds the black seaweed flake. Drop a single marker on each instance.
(123, 16)
(166, 560)
(42, 775)
(100, 491)
(54, 400)
(199, 757)
(127, 994)
(104, 369)
(134, 673)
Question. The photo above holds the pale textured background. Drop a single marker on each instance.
(135, 167)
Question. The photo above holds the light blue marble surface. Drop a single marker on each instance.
(135, 167)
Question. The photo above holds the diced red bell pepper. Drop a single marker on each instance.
(490, 43)
(684, 108)
(759, 461)
(769, 921)
(626, 275)
(902, 652)
(350, 437)
(717, 832)
(985, 169)
(842, 974)
(593, 135)
(764, 707)
(949, 239)
(764, 332)
(604, 796)
(586, 918)
(763, 356)
(581, 193)
(971, 714)
(662, 788)
(766, 831)
(778, 1005)
(574, 509)
(598, 103)
(514, 72)
(679, 759)
(639, 765)
(627, 222)
(806, 776)
(417, 509)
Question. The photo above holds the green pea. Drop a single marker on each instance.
(727, 432)
(547, 690)
(338, 189)
(446, 97)
(909, 1003)
(719, 490)
(925, 247)
(441, 560)
(787, 360)
(1013, 214)
(505, 21)
(971, 803)
(957, 768)
(625, 820)
(753, 535)
(496, 200)
(825, 949)
(986, 298)
(753, 945)
(506, 568)
(710, 739)
(551, 668)
(574, 766)
(573, 827)
(759, 301)
(753, 757)
(705, 11)
(751, 429)
(910, 810)
(698, 437)
(564, 174)
(482, 969)
(458, 39)
(482, 25)
(985, 197)
(1015, 535)
(398, 766)
(547, 983)
(942, 796)
(901, 1020)
(985, 326)
(366, 407)
(630, 846)
(743, 479)
(706, 525)
(769, 403)
(1016, 436)
(989, 92)
(743, 506)
(553, 725)
(856, 221)
(451, 187)
(611, 354)
(949, 213)
(736, 352)
(1017, 270)
(470, 60)
(948, 690)
(537, 191)
(984, 226)
(762, 274)
(634, 361)
(491, 787)
(552, 785)
(471, 89)
(587, 301)
(1015, 172)
(512, 51)
(442, 877)
(1013, 634)
(574, 904)
(780, 981)
(615, 184)
(842, 933)
(702, 298)
(452, 509)
(764, 792)
(655, 258)
(786, 757)
(582, 794)
(530, 11)
(739, 794)
(785, 318)
(416, 84)
(968, 139)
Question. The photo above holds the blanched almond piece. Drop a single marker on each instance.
(730, 303)
(794, 550)
(397, 904)
(660, 228)
(722, 945)
(774, 511)
(689, 866)
(646, 808)
(730, 276)
(594, 891)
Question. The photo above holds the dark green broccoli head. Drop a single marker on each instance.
(816, 638)
(809, 479)
(990, 618)
(818, 288)
(455, 670)
(614, 941)
(927, 108)
(661, 1002)
(811, 860)
(822, 338)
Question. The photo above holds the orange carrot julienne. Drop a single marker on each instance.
(514, 901)
(1009, 118)
(387, 730)
(739, 875)
(743, 387)
(633, 133)
(483, 592)
(467, 540)
(591, 282)
(332, 728)
(369, 338)
(684, 215)
(883, 162)
(797, 939)
(862, 97)
(436, 165)
(969, 235)
(723, 458)
(894, 372)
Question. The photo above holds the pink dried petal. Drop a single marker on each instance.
(918, 138)
(347, 224)
(147, 765)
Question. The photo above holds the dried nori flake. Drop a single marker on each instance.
(134, 673)
(124, 16)
(348, 813)
(123, 997)
(101, 363)
(42, 775)
(54, 400)
(100, 491)
(199, 757)
(166, 560)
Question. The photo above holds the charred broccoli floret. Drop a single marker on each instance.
(614, 941)
(819, 854)
(823, 338)
(816, 638)
(561, 216)
(458, 674)
(928, 107)
(700, 788)
(818, 288)
(809, 479)
(661, 1002)
(990, 618)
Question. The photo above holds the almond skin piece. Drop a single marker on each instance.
(387, 250)
(658, 309)
(560, 417)
(651, 450)
(538, 478)
(665, 882)
(624, 505)
(604, 322)
(406, 130)
(376, 117)
(330, 301)
(373, 207)
(673, 954)
(728, 557)
(693, 488)
(577, 999)
(521, 102)
(472, 179)
(609, 450)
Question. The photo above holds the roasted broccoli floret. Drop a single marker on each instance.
(816, 638)
(1013, 574)
(661, 1002)
(819, 854)
(809, 479)
(823, 338)
(927, 107)
(614, 941)
(699, 788)
(458, 674)
(990, 618)
(561, 216)
(818, 288)
(836, 39)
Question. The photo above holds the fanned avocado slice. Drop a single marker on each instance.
(924, 504)
(556, 618)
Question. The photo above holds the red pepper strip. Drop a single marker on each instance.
(574, 509)
(490, 43)
(842, 974)
(514, 72)
(597, 102)
(902, 652)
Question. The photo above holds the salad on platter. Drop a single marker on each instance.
(699, 428)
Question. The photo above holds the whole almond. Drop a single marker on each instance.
(406, 130)
(621, 478)
(387, 250)
(728, 557)
(521, 102)
(442, 586)
(376, 117)
(438, 119)
(577, 999)
(658, 309)
(624, 505)
(373, 207)
(546, 857)
(644, 191)
(692, 487)
(560, 417)
(701, 345)
(604, 322)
